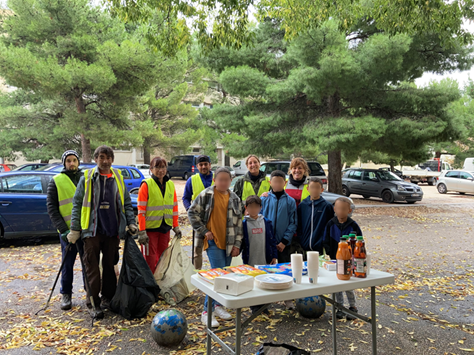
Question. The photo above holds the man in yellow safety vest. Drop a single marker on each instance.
(194, 186)
(61, 190)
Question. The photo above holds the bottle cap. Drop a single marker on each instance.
(359, 237)
(344, 238)
(352, 235)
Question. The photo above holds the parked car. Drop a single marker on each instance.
(232, 171)
(6, 167)
(183, 166)
(397, 172)
(29, 167)
(132, 176)
(379, 183)
(240, 168)
(23, 210)
(456, 181)
(284, 165)
(468, 164)
(144, 169)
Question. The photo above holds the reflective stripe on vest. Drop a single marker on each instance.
(197, 185)
(249, 191)
(66, 190)
(159, 207)
(304, 193)
(87, 201)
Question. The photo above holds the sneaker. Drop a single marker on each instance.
(214, 322)
(221, 313)
(340, 315)
(105, 304)
(350, 316)
(66, 302)
(289, 304)
(98, 313)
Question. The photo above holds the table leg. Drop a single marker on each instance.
(334, 320)
(209, 325)
(238, 330)
(373, 320)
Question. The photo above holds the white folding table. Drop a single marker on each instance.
(328, 283)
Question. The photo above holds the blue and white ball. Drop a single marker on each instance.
(169, 327)
(311, 307)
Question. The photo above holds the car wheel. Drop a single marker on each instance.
(345, 191)
(442, 188)
(186, 176)
(134, 191)
(366, 196)
(387, 196)
(411, 202)
(462, 193)
(431, 183)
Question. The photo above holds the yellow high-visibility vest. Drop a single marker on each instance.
(66, 190)
(158, 207)
(249, 191)
(87, 201)
(197, 185)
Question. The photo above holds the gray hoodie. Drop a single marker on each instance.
(257, 240)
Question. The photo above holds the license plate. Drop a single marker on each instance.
(415, 195)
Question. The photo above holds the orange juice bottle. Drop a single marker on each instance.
(344, 260)
(360, 258)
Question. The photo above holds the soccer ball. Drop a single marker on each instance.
(311, 307)
(169, 327)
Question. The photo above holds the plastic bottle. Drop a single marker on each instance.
(360, 259)
(343, 260)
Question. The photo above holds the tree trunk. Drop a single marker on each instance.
(438, 155)
(334, 168)
(85, 142)
(147, 150)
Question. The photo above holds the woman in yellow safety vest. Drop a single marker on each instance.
(157, 212)
(254, 182)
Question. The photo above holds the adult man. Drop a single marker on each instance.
(102, 209)
(61, 190)
(194, 186)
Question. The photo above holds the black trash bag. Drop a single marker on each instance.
(137, 290)
(280, 349)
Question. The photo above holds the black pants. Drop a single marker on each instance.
(67, 272)
(285, 255)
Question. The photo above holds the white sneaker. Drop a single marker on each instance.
(214, 322)
(222, 313)
(289, 304)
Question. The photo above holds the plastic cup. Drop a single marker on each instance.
(313, 266)
(297, 267)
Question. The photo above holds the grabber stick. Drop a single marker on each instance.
(56, 280)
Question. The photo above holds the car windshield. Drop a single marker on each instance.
(388, 176)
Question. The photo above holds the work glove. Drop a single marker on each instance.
(73, 236)
(177, 232)
(133, 229)
(143, 238)
(64, 235)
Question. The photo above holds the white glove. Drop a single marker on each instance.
(143, 238)
(133, 229)
(177, 232)
(73, 236)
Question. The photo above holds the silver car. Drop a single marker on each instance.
(380, 183)
(457, 181)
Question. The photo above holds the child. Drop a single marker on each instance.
(259, 244)
(338, 226)
(280, 208)
(314, 213)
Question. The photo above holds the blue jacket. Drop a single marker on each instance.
(335, 230)
(313, 216)
(271, 251)
(188, 189)
(282, 213)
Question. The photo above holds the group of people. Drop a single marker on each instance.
(264, 219)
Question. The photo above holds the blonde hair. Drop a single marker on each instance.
(300, 162)
(251, 156)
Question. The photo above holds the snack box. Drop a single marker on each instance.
(282, 268)
(212, 274)
(233, 284)
(330, 265)
(246, 270)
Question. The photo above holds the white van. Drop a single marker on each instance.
(468, 164)
(240, 168)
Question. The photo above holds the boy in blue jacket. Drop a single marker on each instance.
(314, 213)
(280, 209)
(258, 244)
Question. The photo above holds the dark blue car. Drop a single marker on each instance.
(23, 210)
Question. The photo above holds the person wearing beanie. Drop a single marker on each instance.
(61, 190)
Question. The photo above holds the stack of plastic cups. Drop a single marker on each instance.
(297, 267)
(313, 266)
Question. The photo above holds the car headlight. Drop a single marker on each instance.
(400, 188)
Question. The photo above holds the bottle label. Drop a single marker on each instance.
(360, 265)
(343, 266)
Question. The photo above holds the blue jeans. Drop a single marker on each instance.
(218, 259)
(67, 272)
